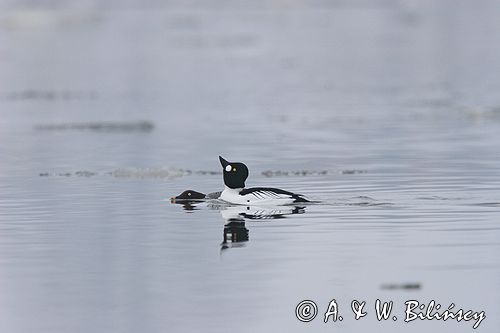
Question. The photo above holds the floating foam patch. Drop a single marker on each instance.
(489, 113)
(402, 286)
(47, 18)
(149, 173)
(48, 95)
(281, 173)
(352, 171)
(284, 173)
(138, 126)
(133, 173)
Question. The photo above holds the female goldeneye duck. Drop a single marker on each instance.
(235, 175)
(190, 195)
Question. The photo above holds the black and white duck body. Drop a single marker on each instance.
(235, 175)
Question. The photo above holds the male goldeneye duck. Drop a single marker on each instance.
(236, 173)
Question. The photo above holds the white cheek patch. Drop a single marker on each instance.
(228, 167)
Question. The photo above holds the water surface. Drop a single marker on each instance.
(387, 112)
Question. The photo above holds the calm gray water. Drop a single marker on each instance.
(391, 109)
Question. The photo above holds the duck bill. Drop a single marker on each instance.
(223, 162)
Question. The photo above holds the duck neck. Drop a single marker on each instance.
(232, 190)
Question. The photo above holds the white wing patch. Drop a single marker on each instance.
(261, 196)
(269, 195)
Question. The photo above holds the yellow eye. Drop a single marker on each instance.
(234, 169)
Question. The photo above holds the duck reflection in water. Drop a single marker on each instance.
(235, 232)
